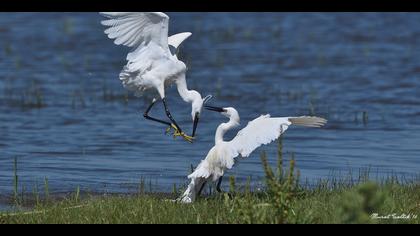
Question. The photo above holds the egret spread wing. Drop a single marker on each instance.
(133, 29)
(265, 130)
(177, 39)
(260, 131)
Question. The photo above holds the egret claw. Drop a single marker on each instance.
(184, 136)
(168, 130)
(187, 137)
(178, 133)
(172, 126)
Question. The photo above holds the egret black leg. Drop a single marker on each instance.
(201, 189)
(146, 115)
(168, 113)
(219, 190)
(174, 125)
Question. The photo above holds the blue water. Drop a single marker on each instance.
(90, 133)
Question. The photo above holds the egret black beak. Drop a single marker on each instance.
(217, 109)
(196, 119)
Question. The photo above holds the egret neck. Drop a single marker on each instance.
(193, 97)
(187, 95)
(224, 127)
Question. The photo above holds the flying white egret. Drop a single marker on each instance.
(152, 64)
(260, 131)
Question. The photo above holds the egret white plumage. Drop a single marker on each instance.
(260, 131)
(152, 64)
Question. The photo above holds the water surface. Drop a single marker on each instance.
(65, 115)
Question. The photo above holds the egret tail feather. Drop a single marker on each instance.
(308, 121)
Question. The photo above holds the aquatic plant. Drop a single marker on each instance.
(248, 34)
(109, 95)
(64, 62)
(32, 97)
(68, 26)
(218, 87)
(15, 181)
(365, 118)
(142, 185)
(219, 60)
(78, 96)
(8, 50)
(77, 195)
(225, 35)
(18, 63)
(174, 189)
(46, 189)
(35, 193)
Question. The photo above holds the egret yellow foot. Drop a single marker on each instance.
(172, 126)
(178, 133)
(184, 136)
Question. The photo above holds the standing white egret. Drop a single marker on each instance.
(260, 131)
(152, 64)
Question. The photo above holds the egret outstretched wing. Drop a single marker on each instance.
(265, 130)
(221, 157)
(177, 39)
(133, 29)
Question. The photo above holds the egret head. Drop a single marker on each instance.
(197, 107)
(229, 112)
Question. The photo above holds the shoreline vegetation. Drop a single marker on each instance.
(283, 200)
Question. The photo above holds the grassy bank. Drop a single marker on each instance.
(352, 205)
(282, 200)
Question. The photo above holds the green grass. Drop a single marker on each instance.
(352, 205)
(283, 200)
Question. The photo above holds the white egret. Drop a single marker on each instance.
(152, 64)
(260, 131)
